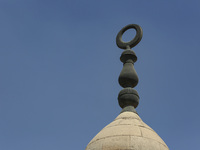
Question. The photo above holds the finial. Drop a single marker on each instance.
(128, 97)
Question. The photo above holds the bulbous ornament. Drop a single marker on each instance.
(128, 76)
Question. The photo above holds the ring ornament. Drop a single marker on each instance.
(127, 45)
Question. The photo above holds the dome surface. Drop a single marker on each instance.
(127, 132)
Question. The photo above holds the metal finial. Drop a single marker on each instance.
(127, 45)
(128, 97)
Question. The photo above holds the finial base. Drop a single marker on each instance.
(128, 97)
(128, 109)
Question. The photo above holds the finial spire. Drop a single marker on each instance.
(128, 97)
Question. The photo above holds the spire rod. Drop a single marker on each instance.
(128, 97)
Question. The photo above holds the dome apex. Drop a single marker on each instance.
(127, 132)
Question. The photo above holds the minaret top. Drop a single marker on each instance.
(128, 98)
(127, 131)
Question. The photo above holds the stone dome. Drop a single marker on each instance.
(127, 132)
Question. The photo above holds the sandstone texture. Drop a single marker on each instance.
(127, 132)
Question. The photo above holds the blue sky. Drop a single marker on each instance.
(60, 66)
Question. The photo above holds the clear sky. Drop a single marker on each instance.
(60, 65)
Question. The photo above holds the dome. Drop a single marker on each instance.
(127, 132)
